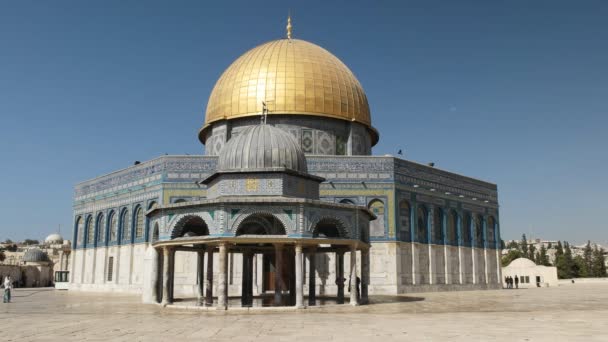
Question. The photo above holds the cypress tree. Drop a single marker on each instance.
(523, 246)
(543, 258)
(531, 252)
(588, 257)
(599, 267)
(568, 260)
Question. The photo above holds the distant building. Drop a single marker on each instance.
(530, 274)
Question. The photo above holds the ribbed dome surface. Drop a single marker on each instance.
(259, 148)
(35, 255)
(293, 77)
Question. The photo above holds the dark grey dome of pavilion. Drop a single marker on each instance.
(35, 255)
(259, 148)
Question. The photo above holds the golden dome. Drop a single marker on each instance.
(291, 76)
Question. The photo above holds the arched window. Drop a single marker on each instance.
(125, 227)
(113, 226)
(155, 233)
(139, 222)
(79, 232)
(100, 227)
(346, 201)
(181, 200)
(376, 227)
(466, 231)
(151, 205)
(422, 224)
(491, 231)
(438, 226)
(90, 231)
(452, 229)
(404, 221)
(478, 228)
(261, 224)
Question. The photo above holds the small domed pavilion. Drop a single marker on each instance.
(261, 201)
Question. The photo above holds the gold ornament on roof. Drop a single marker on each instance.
(289, 27)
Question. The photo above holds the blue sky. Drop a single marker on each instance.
(512, 92)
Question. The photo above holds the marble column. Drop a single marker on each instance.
(167, 298)
(246, 279)
(278, 274)
(353, 276)
(364, 275)
(222, 284)
(209, 278)
(299, 277)
(340, 276)
(201, 277)
(312, 277)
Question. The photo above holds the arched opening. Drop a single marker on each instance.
(478, 231)
(261, 224)
(466, 231)
(452, 233)
(404, 221)
(422, 224)
(376, 226)
(346, 201)
(79, 233)
(190, 226)
(438, 226)
(491, 231)
(155, 233)
(90, 231)
(100, 228)
(329, 228)
(139, 222)
(125, 228)
(113, 226)
(181, 200)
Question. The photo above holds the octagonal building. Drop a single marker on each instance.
(288, 202)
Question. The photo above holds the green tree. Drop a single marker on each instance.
(513, 245)
(523, 245)
(30, 242)
(598, 263)
(588, 257)
(2, 256)
(579, 267)
(543, 258)
(531, 252)
(512, 255)
(568, 260)
(559, 250)
(549, 246)
(8, 241)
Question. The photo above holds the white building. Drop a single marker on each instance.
(530, 274)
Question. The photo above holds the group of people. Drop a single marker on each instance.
(510, 280)
(8, 286)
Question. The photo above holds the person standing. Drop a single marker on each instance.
(516, 282)
(8, 285)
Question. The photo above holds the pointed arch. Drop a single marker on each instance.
(100, 228)
(330, 227)
(261, 224)
(190, 225)
(90, 229)
(139, 222)
(112, 226)
(124, 225)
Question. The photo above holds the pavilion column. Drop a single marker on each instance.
(340, 276)
(354, 300)
(364, 275)
(167, 276)
(201, 277)
(299, 277)
(209, 278)
(222, 300)
(278, 276)
(312, 276)
(247, 281)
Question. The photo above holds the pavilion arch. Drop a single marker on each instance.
(422, 224)
(438, 216)
(260, 224)
(180, 200)
(330, 227)
(347, 201)
(190, 225)
(90, 229)
(155, 232)
(100, 228)
(452, 227)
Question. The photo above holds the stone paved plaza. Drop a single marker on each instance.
(567, 313)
